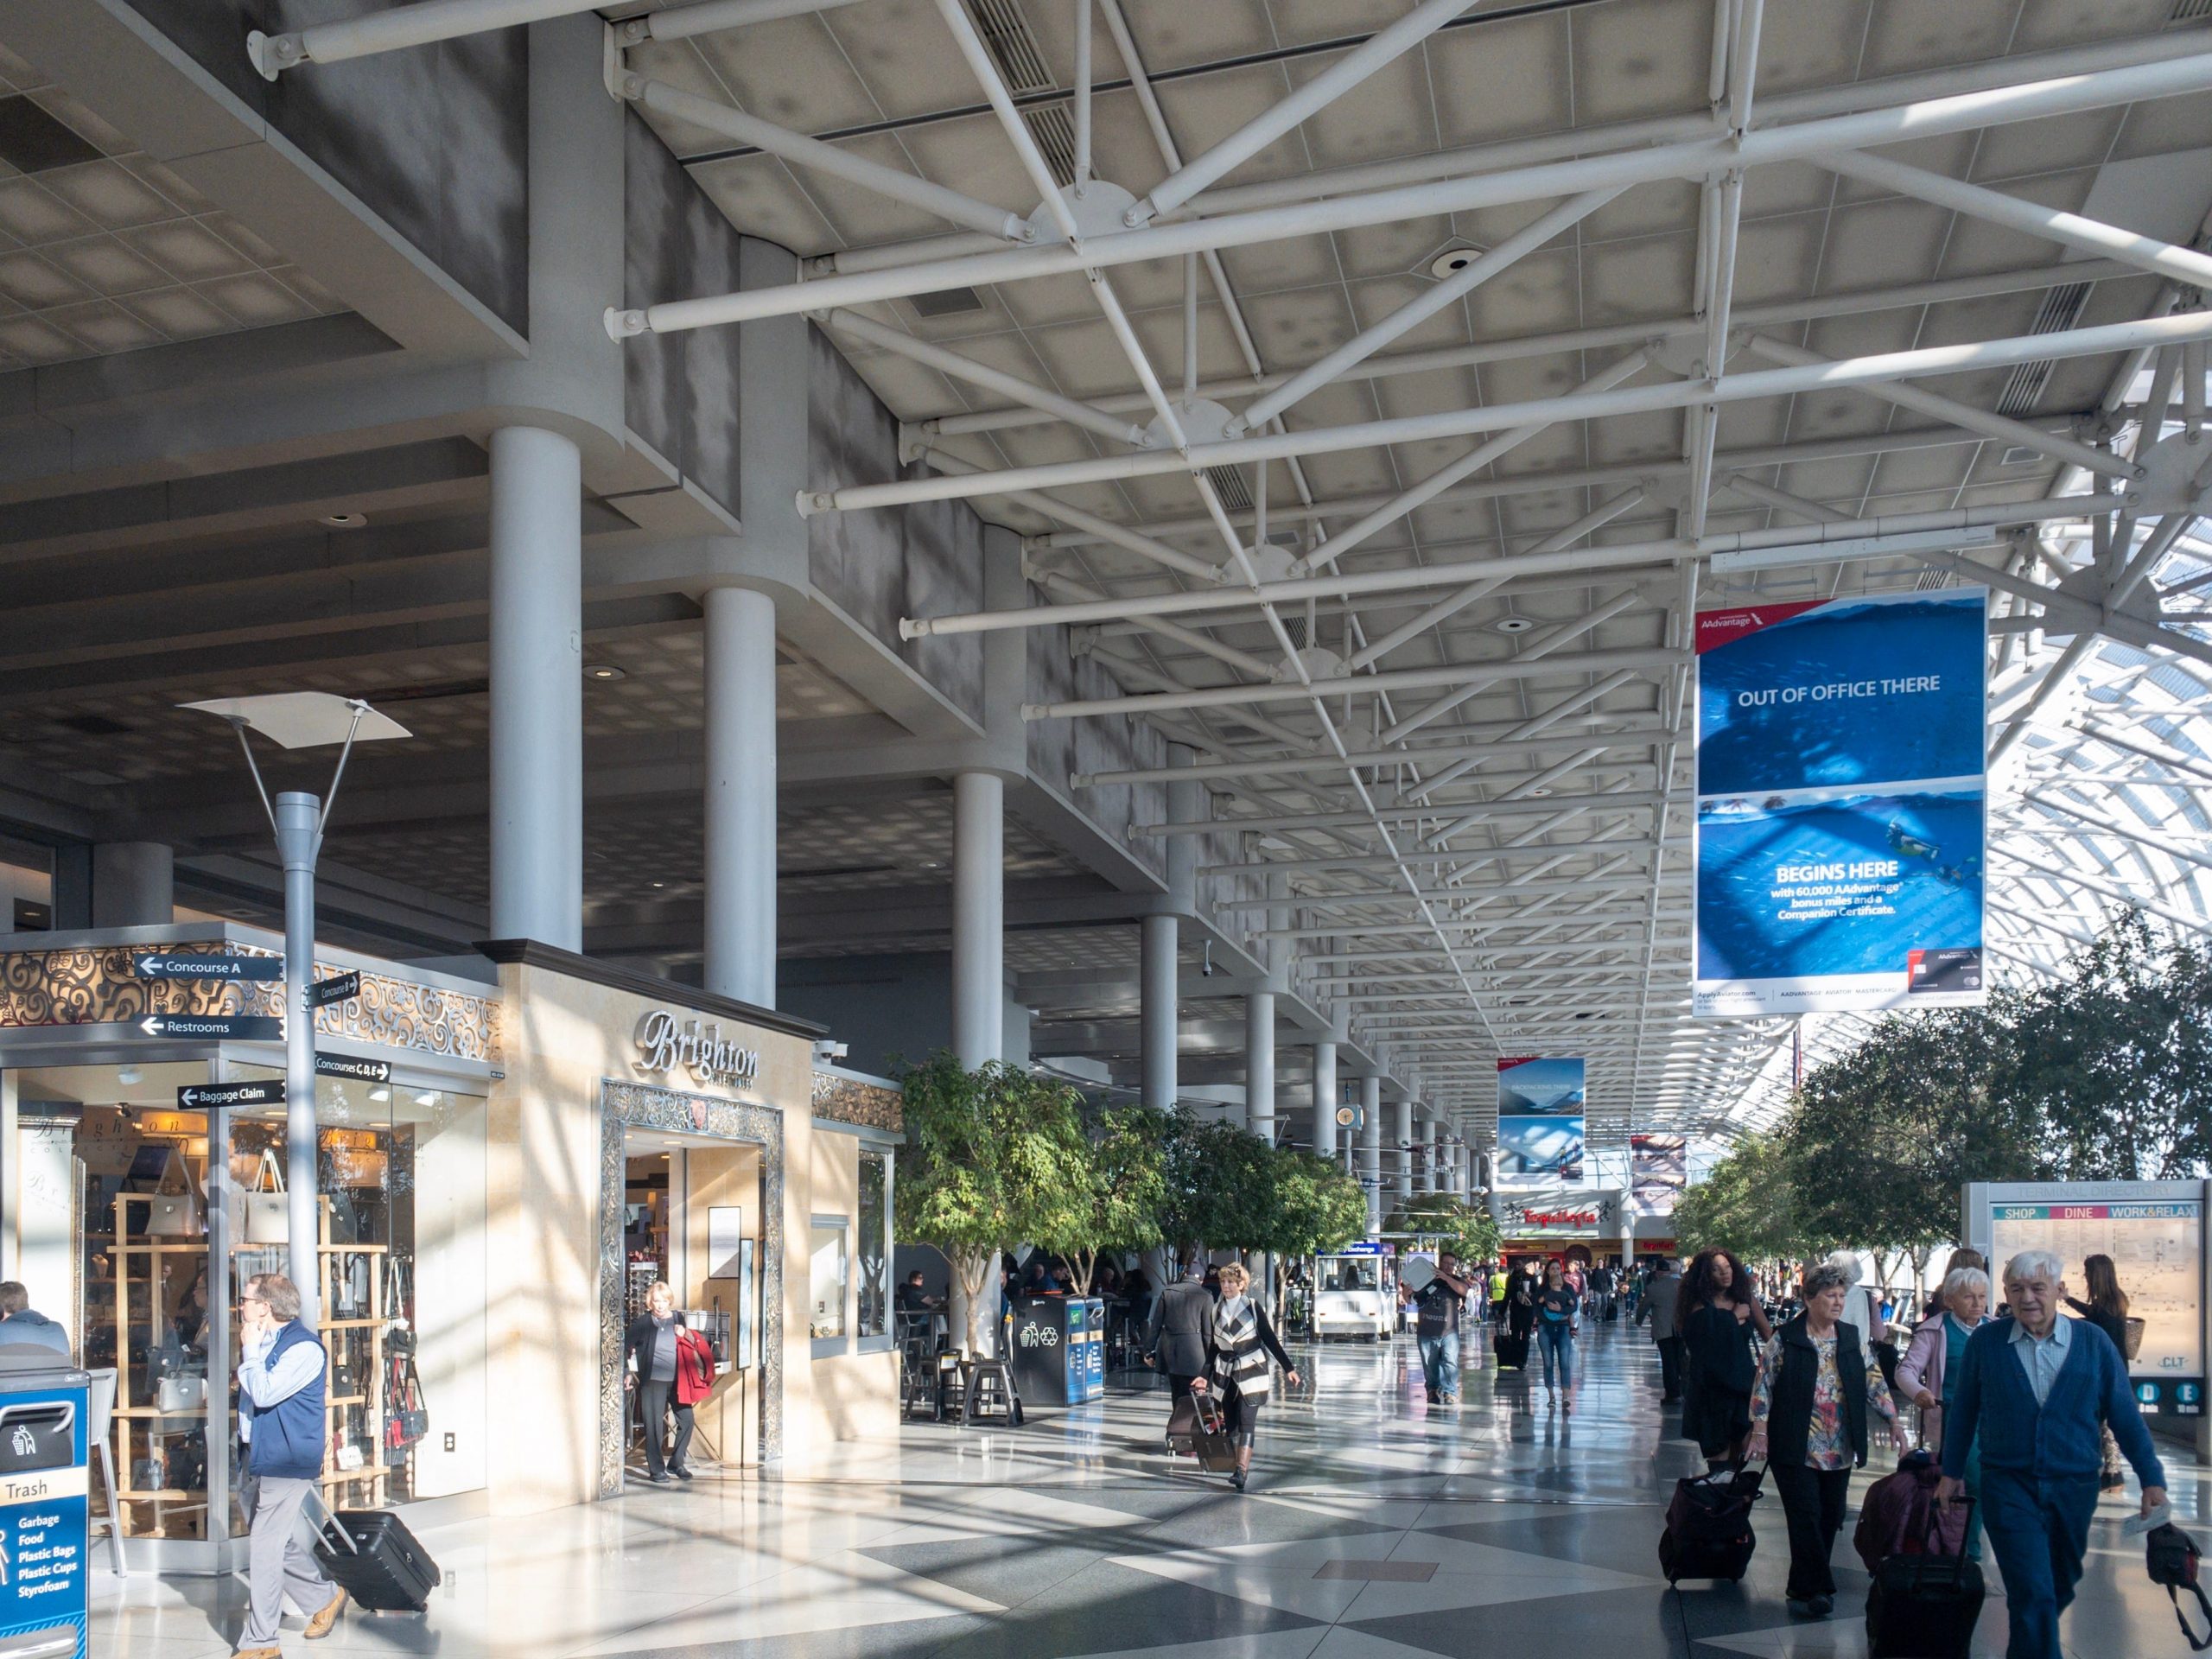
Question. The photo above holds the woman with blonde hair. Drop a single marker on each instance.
(1238, 1346)
(1929, 1374)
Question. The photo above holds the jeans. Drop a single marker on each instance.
(278, 1562)
(2040, 1530)
(1813, 1502)
(1439, 1362)
(1557, 1338)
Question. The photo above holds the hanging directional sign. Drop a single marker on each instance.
(202, 1096)
(339, 987)
(337, 1065)
(232, 1027)
(161, 964)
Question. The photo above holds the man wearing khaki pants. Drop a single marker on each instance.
(280, 1371)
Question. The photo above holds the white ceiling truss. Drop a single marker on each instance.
(1383, 386)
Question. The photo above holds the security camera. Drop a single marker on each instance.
(828, 1052)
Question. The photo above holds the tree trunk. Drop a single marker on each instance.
(971, 1273)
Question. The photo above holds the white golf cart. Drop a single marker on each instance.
(1355, 1292)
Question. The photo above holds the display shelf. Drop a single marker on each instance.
(143, 1431)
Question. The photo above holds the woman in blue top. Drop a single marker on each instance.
(1558, 1319)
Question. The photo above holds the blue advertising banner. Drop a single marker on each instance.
(1530, 1085)
(1540, 1149)
(1840, 819)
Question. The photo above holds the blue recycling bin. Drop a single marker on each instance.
(1057, 1348)
(45, 1500)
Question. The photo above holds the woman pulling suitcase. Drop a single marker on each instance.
(1237, 1350)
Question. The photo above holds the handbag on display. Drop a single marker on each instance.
(267, 1221)
(406, 1419)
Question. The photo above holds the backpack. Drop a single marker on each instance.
(2172, 1557)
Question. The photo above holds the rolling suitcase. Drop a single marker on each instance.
(1708, 1532)
(1924, 1606)
(1183, 1426)
(1216, 1452)
(377, 1561)
(1512, 1350)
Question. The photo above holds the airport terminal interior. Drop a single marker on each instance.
(861, 677)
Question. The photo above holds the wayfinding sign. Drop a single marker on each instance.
(171, 964)
(339, 987)
(205, 1097)
(216, 1027)
(1840, 805)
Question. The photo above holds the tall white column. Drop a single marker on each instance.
(741, 789)
(1403, 1133)
(1430, 1149)
(537, 762)
(1156, 995)
(1259, 1064)
(978, 916)
(1371, 1148)
(1324, 1099)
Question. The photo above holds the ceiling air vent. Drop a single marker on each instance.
(2061, 308)
(1229, 484)
(2189, 11)
(1052, 125)
(946, 302)
(1005, 32)
(2019, 455)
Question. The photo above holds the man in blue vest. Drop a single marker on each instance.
(280, 1371)
(2036, 1390)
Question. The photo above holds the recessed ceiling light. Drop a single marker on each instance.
(606, 672)
(1538, 791)
(660, 884)
(345, 520)
(1452, 261)
(1513, 624)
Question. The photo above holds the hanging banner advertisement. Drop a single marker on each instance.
(1547, 1148)
(1658, 1172)
(1526, 1084)
(1840, 805)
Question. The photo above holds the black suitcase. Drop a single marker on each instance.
(1924, 1606)
(1708, 1533)
(1512, 1352)
(377, 1561)
(1217, 1452)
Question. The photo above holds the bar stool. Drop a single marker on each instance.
(99, 1425)
(976, 1377)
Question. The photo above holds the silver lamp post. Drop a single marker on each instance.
(300, 719)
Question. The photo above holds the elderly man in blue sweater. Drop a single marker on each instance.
(2036, 1390)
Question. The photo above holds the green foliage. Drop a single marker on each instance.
(1318, 1206)
(1221, 1186)
(1121, 1189)
(1749, 1205)
(992, 1157)
(1467, 1230)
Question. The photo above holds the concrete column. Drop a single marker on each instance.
(1187, 802)
(69, 899)
(1402, 1135)
(1371, 1148)
(741, 795)
(1431, 1149)
(978, 916)
(134, 884)
(1259, 1064)
(1157, 996)
(536, 626)
(1324, 1099)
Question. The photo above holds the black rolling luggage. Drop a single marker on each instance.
(1708, 1533)
(377, 1561)
(1924, 1606)
(1217, 1452)
(1512, 1350)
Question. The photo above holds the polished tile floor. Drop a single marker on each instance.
(1377, 1528)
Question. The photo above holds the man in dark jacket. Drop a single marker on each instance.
(1182, 1320)
(280, 1371)
(23, 1326)
(1658, 1306)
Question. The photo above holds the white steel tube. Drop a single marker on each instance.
(1416, 311)
(1978, 201)
(1157, 994)
(1621, 400)
(1402, 1134)
(1259, 1064)
(1371, 1148)
(683, 23)
(1963, 112)
(1324, 1100)
(802, 151)
(740, 923)
(1407, 679)
(1081, 96)
(2002, 428)
(1373, 54)
(1551, 641)
(978, 918)
(1118, 428)
(1523, 564)
(1091, 524)
(1308, 765)
(536, 674)
(397, 28)
(299, 832)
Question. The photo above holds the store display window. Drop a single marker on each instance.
(874, 1264)
(828, 1276)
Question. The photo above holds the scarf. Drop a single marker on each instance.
(1238, 1358)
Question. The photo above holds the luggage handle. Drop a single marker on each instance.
(2173, 1595)
(336, 1525)
(1933, 1533)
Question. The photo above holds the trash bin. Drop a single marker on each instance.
(1058, 1349)
(45, 1604)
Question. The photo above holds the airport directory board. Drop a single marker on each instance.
(1840, 805)
(2154, 1232)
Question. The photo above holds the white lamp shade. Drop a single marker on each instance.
(304, 720)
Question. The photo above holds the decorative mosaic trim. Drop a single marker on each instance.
(646, 1106)
(869, 1105)
(77, 987)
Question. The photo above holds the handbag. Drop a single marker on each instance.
(267, 1219)
(406, 1419)
(2134, 1344)
(2172, 1557)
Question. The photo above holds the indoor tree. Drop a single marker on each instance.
(1120, 1192)
(993, 1156)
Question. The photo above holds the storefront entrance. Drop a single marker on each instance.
(695, 1198)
